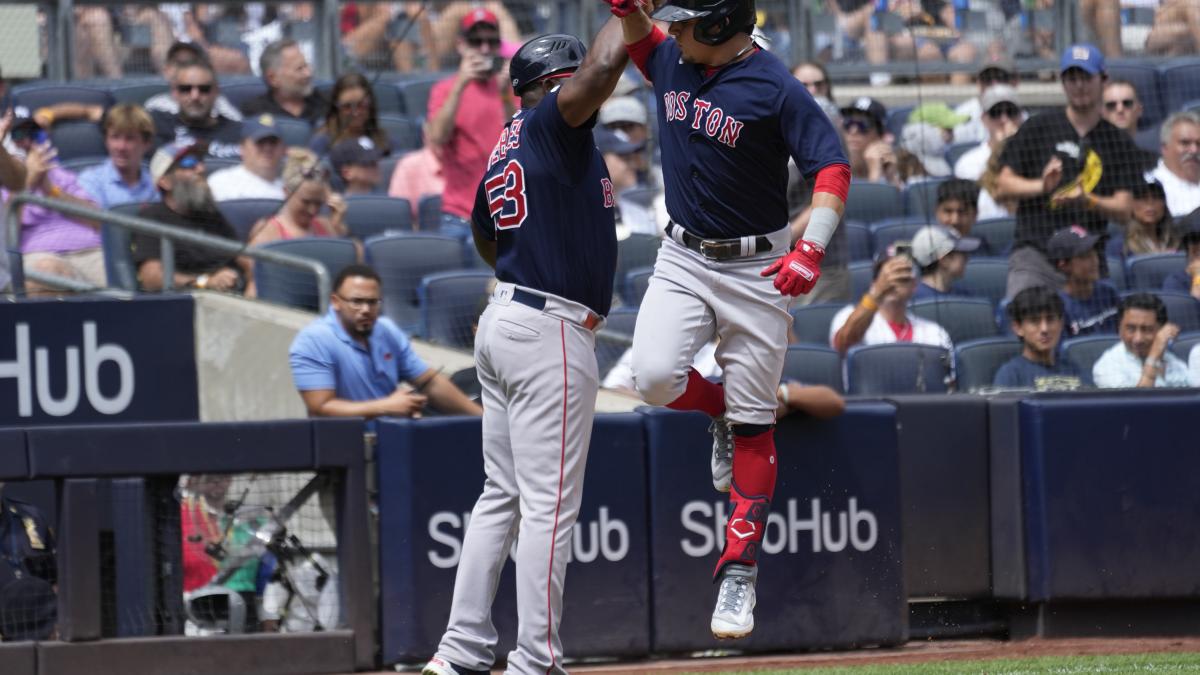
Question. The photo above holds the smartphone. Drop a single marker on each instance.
(496, 64)
(903, 248)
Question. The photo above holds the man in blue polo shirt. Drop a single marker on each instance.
(350, 362)
(124, 177)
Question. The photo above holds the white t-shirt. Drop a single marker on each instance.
(972, 130)
(1194, 366)
(1120, 368)
(1182, 197)
(237, 182)
(620, 376)
(972, 163)
(925, 332)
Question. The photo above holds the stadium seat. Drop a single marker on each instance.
(858, 240)
(861, 276)
(1084, 350)
(294, 133)
(414, 94)
(869, 202)
(636, 250)
(1182, 345)
(610, 347)
(976, 361)
(39, 94)
(369, 215)
(814, 365)
(242, 214)
(295, 287)
(429, 213)
(810, 323)
(1180, 83)
(886, 232)
(897, 116)
(957, 150)
(634, 286)
(78, 139)
(920, 199)
(449, 303)
(997, 233)
(402, 260)
(387, 166)
(985, 278)
(215, 164)
(1116, 273)
(621, 320)
(467, 380)
(963, 318)
(1146, 80)
(1147, 272)
(898, 368)
(240, 92)
(139, 92)
(1182, 309)
(118, 258)
(80, 164)
(405, 132)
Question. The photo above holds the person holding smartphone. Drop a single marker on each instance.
(881, 315)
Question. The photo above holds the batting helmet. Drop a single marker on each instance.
(544, 56)
(719, 21)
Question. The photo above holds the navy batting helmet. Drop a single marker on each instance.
(544, 56)
(719, 21)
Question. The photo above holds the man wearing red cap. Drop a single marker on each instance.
(466, 113)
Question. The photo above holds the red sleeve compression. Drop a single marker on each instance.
(640, 51)
(833, 179)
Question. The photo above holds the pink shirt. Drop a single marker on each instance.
(48, 231)
(477, 125)
(417, 174)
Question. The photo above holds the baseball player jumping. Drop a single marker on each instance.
(730, 115)
(544, 219)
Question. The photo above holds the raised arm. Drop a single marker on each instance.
(582, 94)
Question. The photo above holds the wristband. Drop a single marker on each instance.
(202, 281)
(47, 112)
(868, 302)
(821, 224)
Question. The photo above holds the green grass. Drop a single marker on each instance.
(1048, 665)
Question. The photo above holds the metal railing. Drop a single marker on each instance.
(166, 233)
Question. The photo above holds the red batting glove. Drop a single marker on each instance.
(797, 272)
(623, 8)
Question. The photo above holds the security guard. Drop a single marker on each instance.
(28, 572)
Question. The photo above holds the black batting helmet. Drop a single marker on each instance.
(543, 56)
(719, 21)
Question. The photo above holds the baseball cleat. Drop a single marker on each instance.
(440, 666)
(722, 454)
(734, 615)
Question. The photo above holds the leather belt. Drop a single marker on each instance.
(538, 302)
(719, 249)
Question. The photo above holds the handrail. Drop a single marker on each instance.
(168, 234)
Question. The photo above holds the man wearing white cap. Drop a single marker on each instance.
(1001, 117)
(626, 114)
(941, 253)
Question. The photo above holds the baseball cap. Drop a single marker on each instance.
(999, 93)
(937, 114)
(1003, 64)
(1084, 56)
(870, 107)
(23, 118)
(934, 242)
(1149, 187)
(359, 151)
(929, 144)
(167, 156)
(623, 109)
(616, 142)
(260, 127)
(1069, 242)
(477, 16)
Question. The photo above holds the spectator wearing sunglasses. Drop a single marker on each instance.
(178, 55)
(353, 115)
(872, 157)
(1000, 72)
(1179, 168)
(1002, 116)
(1123, 109)
(467, 110)
(195, 91)
(289, 79)
(815, 79)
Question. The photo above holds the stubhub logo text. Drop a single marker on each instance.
(787, 528)
(35, 369)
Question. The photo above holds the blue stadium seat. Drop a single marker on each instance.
(449, 302)
(139, 91)
(387, 166)
(414, 94)
(369, 215)
(294, 133)
(405, 132)
(1147, 81)
(963, 318)
(1084, 350)
(242, 214)
(298, 288)
(39, 94)
(1116, 273)
(402, 260)
(814, 365)
(810, 323)
(1179, 84)
(920, 199)
(897, 116)
(885, 232)
(976, 361)
(621, 320)
(1182, 309)
(78, 139)
(636, 250)
(997, 233)
(869, 202)
(1147, 272)
(215, 164)
(957, 150)
(118, 258)
(861, 276)
(633, 289)
(1182, 346)
(986, 278)
(898, 368)
(240, 92)
(858, 240)
(429, 213)
(80, 164)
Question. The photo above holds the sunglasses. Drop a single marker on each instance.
(188, 162)
(1123, 103)
(188, 88)
(856, 126)
(1004, 110)
(349, 106)
(477, 42)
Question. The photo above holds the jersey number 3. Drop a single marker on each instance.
(506, 196)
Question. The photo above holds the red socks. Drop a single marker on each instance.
(754, 471)
(702, 395)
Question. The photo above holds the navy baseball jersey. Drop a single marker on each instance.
(547, 201)
(725, 148)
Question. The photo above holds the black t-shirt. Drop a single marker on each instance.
(1048, 134)
(1021, 372)
(315, 108)
(189, 259)
(224, 136)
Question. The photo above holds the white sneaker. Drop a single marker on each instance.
(438, 666)
(722, 454)
(734, 616)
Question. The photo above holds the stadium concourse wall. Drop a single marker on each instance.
(1072, 514)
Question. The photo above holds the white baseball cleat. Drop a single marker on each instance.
(438, 666)
(722, 454)
(734, 616)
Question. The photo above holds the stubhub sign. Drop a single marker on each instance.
(97, 361)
